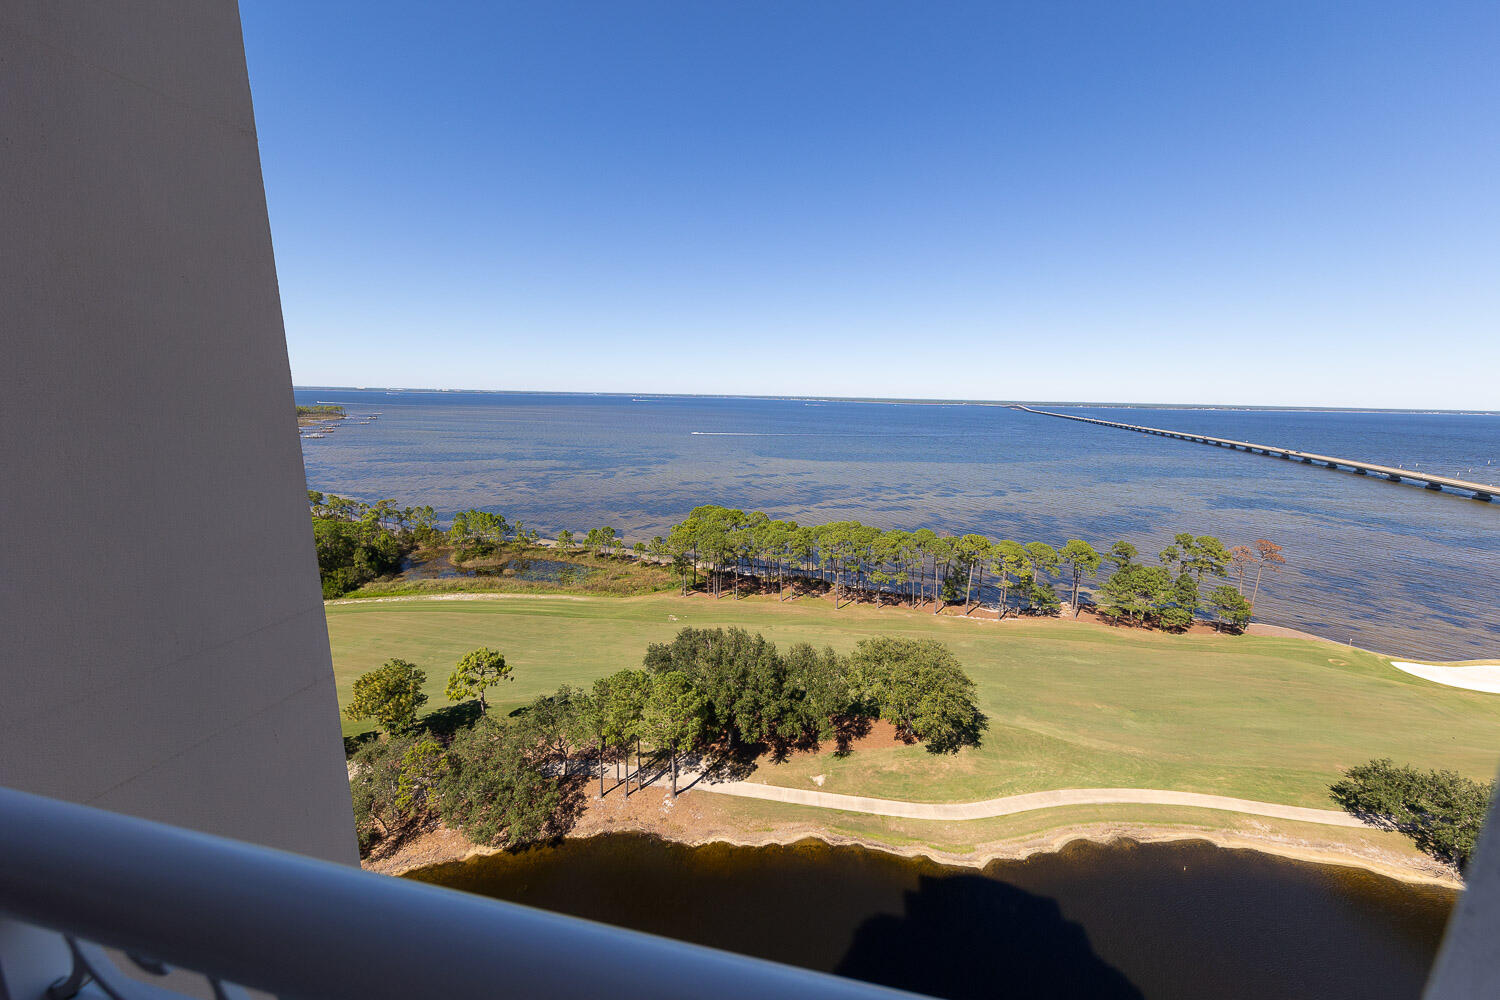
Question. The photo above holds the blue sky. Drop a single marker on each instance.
(1274, 203)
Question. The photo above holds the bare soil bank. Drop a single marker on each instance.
(695, 818)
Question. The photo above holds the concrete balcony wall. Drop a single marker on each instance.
(161, 626)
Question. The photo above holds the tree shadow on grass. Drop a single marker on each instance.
(1424, 829)
(721, 762)
(443, 723)
(352, 744)
(968, 937)
(847, 730)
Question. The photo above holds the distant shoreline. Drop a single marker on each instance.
(316, 414)
(909, 401)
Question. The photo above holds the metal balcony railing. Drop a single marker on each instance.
(74, 879)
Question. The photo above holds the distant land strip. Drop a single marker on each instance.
(1479, 491)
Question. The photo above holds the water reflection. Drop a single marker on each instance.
(515, 567)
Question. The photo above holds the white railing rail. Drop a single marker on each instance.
(73, 878)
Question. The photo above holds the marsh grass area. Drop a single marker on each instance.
(1070, 704)
(309, 415)
(520, 569)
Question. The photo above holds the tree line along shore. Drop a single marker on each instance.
(725, 550)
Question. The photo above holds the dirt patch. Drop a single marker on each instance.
(432, 845)
(881, 735)
(688, 818)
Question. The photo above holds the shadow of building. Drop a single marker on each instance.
(967, 937)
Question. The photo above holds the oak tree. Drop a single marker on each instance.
(478, 671)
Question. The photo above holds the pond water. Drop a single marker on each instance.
(515, 568)
(1121, 920)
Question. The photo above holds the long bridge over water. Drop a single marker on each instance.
(1479, 491)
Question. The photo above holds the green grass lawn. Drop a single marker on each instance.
(1069, 704)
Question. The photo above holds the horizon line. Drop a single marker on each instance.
(908, 400)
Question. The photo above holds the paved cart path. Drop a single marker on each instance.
(1011, 804)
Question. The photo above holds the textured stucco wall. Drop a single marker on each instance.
(161, 628)
(1468, 966)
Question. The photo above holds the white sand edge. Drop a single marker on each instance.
(1481, 677)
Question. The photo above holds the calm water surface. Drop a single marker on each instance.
(1385, 566)
(1119, 921)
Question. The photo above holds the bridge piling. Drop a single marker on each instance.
(1478, 491)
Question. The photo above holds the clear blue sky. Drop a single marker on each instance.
(1276, 203)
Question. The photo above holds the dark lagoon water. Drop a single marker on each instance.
(1125, 920)
(1390, 567)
